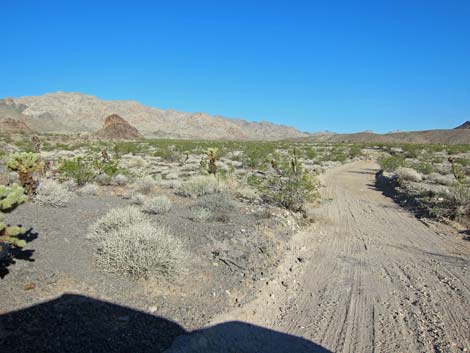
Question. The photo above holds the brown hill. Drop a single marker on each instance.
(453, 136)
(116, 127)
(465, 125)
(10, 125)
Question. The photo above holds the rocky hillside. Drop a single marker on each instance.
(116, 127)
(75, 112)
(465, 125)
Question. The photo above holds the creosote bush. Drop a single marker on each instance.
(51, 193)
(391, 163)
(128, 243)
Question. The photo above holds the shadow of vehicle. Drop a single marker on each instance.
(75, 324)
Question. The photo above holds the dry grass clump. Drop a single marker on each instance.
(146, 185)
(200, 186)
(157, 205)
(88, 189)
(137, 199)
(437, 178)
(128, 243)
(220, 202)
(121, 180)
(408, 174)
(51, 193)
(200, 214)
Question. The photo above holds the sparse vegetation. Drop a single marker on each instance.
(157, 205)
(25, 164)
(10, 197)
(128, 243)
(51, 193)
(200, 186)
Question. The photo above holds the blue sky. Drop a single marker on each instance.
(316, 65)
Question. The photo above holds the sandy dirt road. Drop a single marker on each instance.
(368, 277)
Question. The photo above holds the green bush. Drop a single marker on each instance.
(78, 169)
(424, 168)
(391, 163)
(290, 187)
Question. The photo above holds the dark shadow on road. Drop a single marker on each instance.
(76, 324)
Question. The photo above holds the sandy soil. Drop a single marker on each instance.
(368, 277)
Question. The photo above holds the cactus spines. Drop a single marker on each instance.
(25, 164)
(10, 197)
(211, 152)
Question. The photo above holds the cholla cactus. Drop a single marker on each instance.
(10, 197)
(211, 153)
(25, 163)
(457, 170)
(36, 144)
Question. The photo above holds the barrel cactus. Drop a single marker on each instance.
(10, 197)
(25, 164)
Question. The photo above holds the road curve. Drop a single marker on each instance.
(369, 277)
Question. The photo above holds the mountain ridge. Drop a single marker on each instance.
(72, 112)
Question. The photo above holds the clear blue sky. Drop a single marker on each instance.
(316, 65)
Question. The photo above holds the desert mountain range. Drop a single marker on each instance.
(75, 112)
(63, 112)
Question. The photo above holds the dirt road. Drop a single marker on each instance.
(368, 277)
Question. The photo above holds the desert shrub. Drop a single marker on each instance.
(247, 193)
(137, 199)
(257, 154)
(460, 198)
(121, 179)
(390, 163)
(51, 193)
(412, 150)
(126, 242)
(146, 184)
(200, 214)
(408, 174)
(127, 147)
(201, 185)
(424, 168)
(437, 178)
(103, 179)
(220, 202)
(116, 218)
(168, 153)
(88, 189)
(311, 153)
(78, 169)
(290, 192)
(157, 205)
(290, 187)
(355, 151)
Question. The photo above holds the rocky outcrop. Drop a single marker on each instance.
(116, 127)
